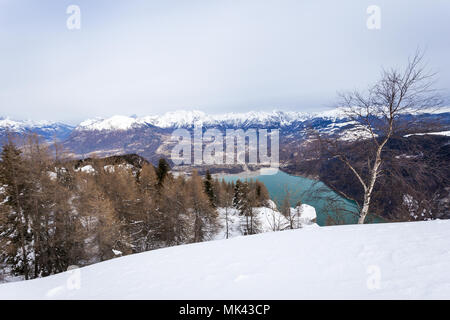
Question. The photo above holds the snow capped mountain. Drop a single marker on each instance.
(47, 129)
(13, 125)
(113, 123)
(150, 136)
(186, 119)
(183, 118)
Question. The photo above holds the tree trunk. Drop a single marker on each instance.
(364, 210)
(226, 219)
(369, 189)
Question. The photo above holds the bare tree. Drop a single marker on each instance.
(225, 195)
(376, 114)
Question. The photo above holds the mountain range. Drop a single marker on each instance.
(150, 136)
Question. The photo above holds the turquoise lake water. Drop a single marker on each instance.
(330, 207)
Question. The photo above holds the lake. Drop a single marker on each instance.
(330, 207)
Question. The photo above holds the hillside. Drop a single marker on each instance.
(415, 167)
(410, 260)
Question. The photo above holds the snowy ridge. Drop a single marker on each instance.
(20, 126)
(389, 261)
(113, 123)
(441, 133)
(185, 118)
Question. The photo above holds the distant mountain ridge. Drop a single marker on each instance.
(47, 129)
(150, 136)
(182, 118)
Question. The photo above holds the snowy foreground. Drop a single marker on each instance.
(398, 260)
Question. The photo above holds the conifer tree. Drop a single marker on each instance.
(18, 251)
(238, 195)
(205, 217)
(209, 189)
(162, 171)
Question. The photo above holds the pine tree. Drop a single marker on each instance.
(205, 217)
(162, 171)
(238, 195)
(209, 189)
(16, 224)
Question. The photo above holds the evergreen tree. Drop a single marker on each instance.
(16, 225)
(209, 189)
(205, 217)
(238, 195)
(162, 171)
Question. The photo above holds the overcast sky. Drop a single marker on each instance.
(149, 57)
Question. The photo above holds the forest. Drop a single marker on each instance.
(55, 213)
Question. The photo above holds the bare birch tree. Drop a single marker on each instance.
(376, 114)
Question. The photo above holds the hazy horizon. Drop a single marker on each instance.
(149, 57)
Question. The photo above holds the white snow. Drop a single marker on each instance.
(87, 169)
(11, 124)
(269, 220)
(307, 213)
(52, 175)
(113, 123)
(355, 133)
(184, 118)
(342, 124)
(441, 133)
(376, 261)
(22, 125)
(117, 252)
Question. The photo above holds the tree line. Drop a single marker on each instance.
(54, 215)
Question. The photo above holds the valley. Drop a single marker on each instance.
(151, 138)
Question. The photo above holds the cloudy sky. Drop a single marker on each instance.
(148, 57)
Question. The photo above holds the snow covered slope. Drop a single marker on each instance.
(268, 219)
(47, 129)
(401, 260)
